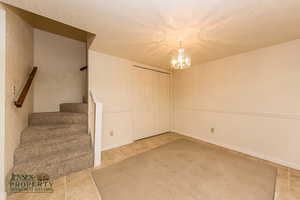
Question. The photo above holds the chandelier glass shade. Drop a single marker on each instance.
(181, 60)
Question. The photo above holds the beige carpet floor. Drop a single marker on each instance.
(184, 170)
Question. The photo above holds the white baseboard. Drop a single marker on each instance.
(116, 145)
(251, 153)
(2, 195)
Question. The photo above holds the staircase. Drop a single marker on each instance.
(55, 143)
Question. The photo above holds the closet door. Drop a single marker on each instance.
(151, 109)
(163, 103)
(144, 104)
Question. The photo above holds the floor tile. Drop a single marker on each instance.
(80, 186)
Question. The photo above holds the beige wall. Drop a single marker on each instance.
(251, 100)
(136, 101)
(2, 100)
(19, 63)
(58, 79)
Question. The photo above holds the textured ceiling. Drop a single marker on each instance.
(52, 26)
(147, 31)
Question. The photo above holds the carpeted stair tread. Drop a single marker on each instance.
(51, 118)
(55, 143)
(57, 164)
(52, 145)
(53, 140)
(74, 107)
(35, 133)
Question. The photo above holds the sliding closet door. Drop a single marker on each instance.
(163, 103)
(151, 111)
(144, 112)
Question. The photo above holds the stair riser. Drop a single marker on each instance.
(55, 170)
(52, 120)
(24, 154)
(74, 107)
(42, 135)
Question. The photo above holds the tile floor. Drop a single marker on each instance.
(80, 185)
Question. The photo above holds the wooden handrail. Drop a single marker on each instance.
(26, 88)
(83, 68)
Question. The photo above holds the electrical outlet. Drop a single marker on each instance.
(212, 130)
(111, 133)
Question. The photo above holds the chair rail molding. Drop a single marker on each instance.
(97, 115)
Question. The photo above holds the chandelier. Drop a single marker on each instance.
(181, 60)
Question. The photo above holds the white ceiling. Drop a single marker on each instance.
(147, 31)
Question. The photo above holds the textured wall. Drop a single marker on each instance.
(136, 101)
(2, 100)
(252, 101)
(19, 62)
(59, 79)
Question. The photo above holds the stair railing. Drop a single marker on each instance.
(83, 68)
(22, 97)
(96, 113)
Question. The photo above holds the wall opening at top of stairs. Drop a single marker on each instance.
(59, 53)
(59, 79)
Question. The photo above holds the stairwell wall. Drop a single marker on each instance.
(19, 63)
(2, 100)
(59, 79)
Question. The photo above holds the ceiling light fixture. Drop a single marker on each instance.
(181, 60)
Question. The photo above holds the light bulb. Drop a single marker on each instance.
(174, 62)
